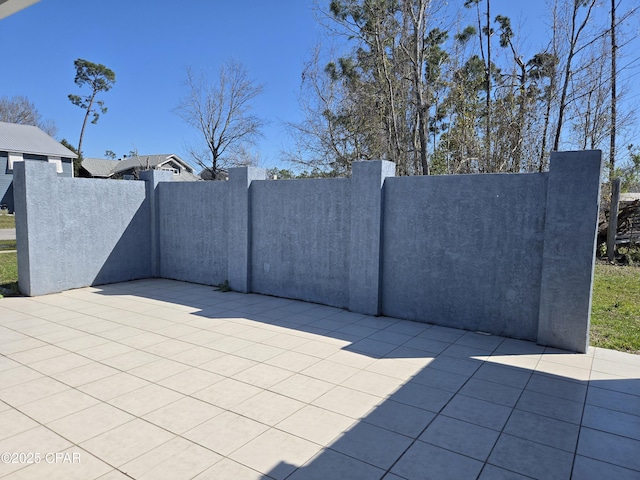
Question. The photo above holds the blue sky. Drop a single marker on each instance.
(149, 43)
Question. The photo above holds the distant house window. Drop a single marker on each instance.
(14, 157)
(58, 163)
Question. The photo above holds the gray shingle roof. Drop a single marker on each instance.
(99, 167)
(102, 168)
(29, 139)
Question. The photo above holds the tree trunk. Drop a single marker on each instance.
(84, 123)
(614, 74)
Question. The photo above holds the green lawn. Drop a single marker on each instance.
(615, 311)
(9, 271)
(615, 314)
(7, 221)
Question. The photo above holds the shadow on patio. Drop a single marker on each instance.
(417, 401)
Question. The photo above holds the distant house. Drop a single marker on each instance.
(28, 143)
(128, 168)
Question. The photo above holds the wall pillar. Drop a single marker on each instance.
(38, 227)
(365, 242)
(152, 178)
(571, 227)
(239, 233)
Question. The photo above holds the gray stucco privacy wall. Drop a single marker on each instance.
(300, 239)
(503, 254)
(464, 251)
(77, 232)
(193, 219)
(571, 227)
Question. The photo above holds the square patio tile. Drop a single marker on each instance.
(268, 407)
(399, 418)
(611, 421)
(330, 371)
(621, 402)
(292, 361)
(126, 442)
(191, 380)
(610, 448)
(90, 422)
(263, 375)
(347, 402)
(303, 388)
(111, 387)
(275, 453)
(503, 374)
(549, 406)
(227, 393)
(393, 367)
(229, 469)
(491, 472)
(423, 461)
(105, 350)
(38, 354)
(31, 390)
(478, 412)
(258, 352)
(228, 365)
(183, 415)
(176, 459)
(541, 429)
(586, 468)
(440, 379)
(491, 392)
(58, 406)
(196, 356)
(13, 422)
(531, 459)
(371, 444)
(130, 360)
(145, 399)
(558, 387)
(373, 383)
(461, 437)
(316, 424)
(85, 374)
(17, 376)
(329, 464)
(421, 396)
(226, 432)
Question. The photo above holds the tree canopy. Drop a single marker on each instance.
(99, 79)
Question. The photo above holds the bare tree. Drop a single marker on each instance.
(221, 113)
(577, 26)
(19, 109)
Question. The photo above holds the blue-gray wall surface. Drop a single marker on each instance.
(504, 254)
(193, 219)
(465, 247)
(300, 239)
(77, 232)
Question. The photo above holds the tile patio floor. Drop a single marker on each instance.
(158, 379)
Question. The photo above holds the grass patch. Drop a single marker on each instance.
(615, 310)
(7, 244)
(9, 271)
(7, 221)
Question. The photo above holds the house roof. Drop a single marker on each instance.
(29, 139)
(102, 168)
(99, 167)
